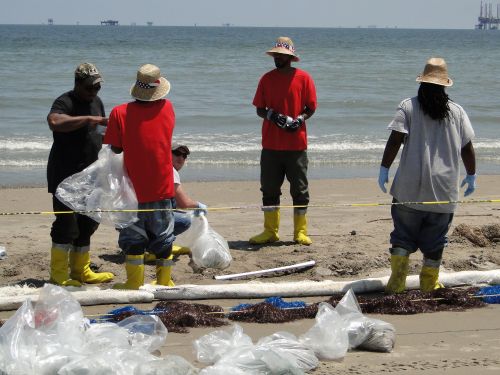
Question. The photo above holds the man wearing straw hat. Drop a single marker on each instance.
(74, 120)
(143, 129)
(285, 99)
(436, 133)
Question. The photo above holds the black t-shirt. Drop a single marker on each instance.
(73, 151)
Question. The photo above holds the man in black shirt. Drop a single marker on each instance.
(75, 119)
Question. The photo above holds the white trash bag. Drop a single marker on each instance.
(211, 347)
(103, 185)
(365, 333)
(328, 337)
(233, 353)
(208, 248)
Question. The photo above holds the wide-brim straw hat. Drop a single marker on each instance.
(436, 72)
(284, 45)
(149, 85)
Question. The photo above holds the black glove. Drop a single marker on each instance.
(294, 124)
(277, 118)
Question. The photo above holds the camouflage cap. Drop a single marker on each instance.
(88, 71)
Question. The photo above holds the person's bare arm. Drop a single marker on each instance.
(469, 158)
(392, 148)
(307, 113)
(182, 199)
(60, 122)
(262, 112)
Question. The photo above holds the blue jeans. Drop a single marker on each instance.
(182, 222)
(153, 232)
(414, 229)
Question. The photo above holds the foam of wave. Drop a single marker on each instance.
(17, 144)
(22, 163)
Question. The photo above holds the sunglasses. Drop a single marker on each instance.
(180, 153)
(93, 88)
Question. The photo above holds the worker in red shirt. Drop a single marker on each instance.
(143, 129)
(285, 99)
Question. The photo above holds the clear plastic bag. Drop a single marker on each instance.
(208, 248)
(146, 331)
(328, 337)
(288, 346)
(54, 338)
(103, 185)
(364, 332)
(40, 339)
(233, 353)
(170, 365)
(211, 347)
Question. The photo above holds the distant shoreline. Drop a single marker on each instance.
(368, 27)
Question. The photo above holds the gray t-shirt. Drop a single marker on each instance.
(429, 168)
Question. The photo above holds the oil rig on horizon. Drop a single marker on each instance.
(486, 20)
(109, 23)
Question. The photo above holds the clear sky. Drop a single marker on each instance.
(448, 14)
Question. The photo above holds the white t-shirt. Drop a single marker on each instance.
(429, 168)
(177, 178)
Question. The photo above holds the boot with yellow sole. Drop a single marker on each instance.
(134, 266)
(59, 263)
(79, 263)
(271, 227)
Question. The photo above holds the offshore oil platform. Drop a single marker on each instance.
(486, 19)
(109, 23)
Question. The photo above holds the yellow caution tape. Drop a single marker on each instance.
(229, 208)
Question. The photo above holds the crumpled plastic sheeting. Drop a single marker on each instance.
(364, 332)
(208, 248)
(54, 337)
(335, 331)
(328, 336)
(233, 353)
(103, 185)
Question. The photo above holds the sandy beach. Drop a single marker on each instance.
(350, 241)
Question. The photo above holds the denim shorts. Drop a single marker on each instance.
(415, 229)
(153, 232)
(182, 222)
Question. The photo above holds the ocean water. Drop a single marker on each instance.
(361, 75)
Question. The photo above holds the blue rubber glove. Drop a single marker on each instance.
(470, 180)
(383, 178)
(202, 209)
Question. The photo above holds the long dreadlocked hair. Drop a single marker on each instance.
(433, 100)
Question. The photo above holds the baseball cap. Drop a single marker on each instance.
(178, 147)
(88, 72)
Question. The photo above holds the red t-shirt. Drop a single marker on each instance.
(287, 94)
(144, 131)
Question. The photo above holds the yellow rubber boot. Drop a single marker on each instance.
(164, 271)
(399, 270)
(149, 257)
(180, 250)
(134, 265)
(429, 279)
(59, 262)
(79, 263)
(271, 226)
(300, 230)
